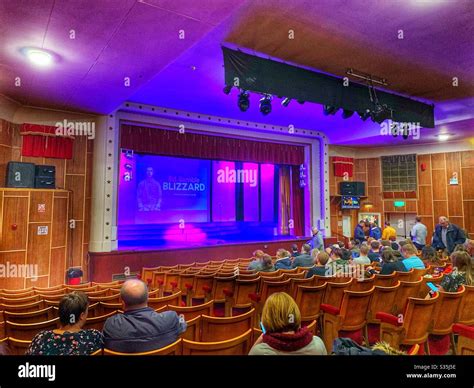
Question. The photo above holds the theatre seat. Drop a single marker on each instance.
(173, 349)
(233, 347)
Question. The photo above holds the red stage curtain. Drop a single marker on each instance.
(42, 141)
(343, 165)
(284, 202)
(298, 201)
(171, 142)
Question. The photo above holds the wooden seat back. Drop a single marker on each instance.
(220, 329)
(236, 346)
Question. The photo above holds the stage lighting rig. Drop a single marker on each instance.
(266, 104)
(243, 101)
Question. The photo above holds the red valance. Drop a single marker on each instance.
(42, 141)
(171, 142)
(343, 165)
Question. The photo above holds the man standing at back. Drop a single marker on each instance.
(418, 234)
(316, 241)
(447, 235)
(140, 328)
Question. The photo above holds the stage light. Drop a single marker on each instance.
(347, 113)
(329, 110)
(243, 101)
(364, 115)
(380, 113)
(227, 89)
(266, 104)
(286, 102)
(38, 57)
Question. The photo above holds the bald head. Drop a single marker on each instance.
(443, 221)
(134, 294)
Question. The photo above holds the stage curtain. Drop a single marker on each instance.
(297, 202)
(284, 202)
(168, 141)
(42, 141)
(343, 165)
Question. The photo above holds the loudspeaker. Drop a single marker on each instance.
(20, 175)
(352, 188)
(45, 177)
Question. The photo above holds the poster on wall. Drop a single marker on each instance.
(370, 217)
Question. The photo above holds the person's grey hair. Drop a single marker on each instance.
(131, 300)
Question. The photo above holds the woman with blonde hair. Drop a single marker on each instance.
(282, 331)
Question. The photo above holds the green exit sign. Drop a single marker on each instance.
(399, 203)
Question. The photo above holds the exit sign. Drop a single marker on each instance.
(399, 203)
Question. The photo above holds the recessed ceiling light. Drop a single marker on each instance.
(38, 57)
(443, 136)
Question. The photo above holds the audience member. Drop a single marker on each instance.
(267, 264)
(305, 259)
(256, 264)
(418, 233)
(363, 258)
(321, 268)
(390, 263)
(447, 235)
(140, 328)
(283, 334)
(359, 234)
(411, 260)
(283, 259)
(70, 338)
(389, 232)
(294, 250)
(375, 231)
(374, 253)
(462, 273)
(316, 241)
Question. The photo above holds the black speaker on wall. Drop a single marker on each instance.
(20, 175)
(352, 188)
(45, 177)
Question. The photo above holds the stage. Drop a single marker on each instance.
(103, 266)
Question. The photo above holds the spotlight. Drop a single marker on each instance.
(227, 89)
(380, 113)
(38, 57)
(347, 113)
(266, 104)
(243, 101)
(329, 110)
(364, 115)
(286, 102)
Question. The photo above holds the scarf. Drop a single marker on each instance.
(288, 342)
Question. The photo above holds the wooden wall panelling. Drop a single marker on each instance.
(424, 177)
(39, 246)
(13, 280)
(425, 204)
(467, 175)
(40, 281)
(440, 208)
(41, 206)
(469, 217)
(58, 266)
(15, 213)
(439, 185)
(60, 222)
(438, 161)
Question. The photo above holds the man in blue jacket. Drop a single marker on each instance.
(375, 231)
(359, 234)
(316, 241)
(447, 235)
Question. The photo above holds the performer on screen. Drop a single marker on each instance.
(149, 193)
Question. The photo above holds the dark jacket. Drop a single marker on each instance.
(284, 263)
(376, 233)
(359, 234)
(303, 260)
(142, 330)
(389, 268)
(320, 270)
(454, 236)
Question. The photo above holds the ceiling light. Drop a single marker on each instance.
(443, 136)
(243, 101)
(381, 113)
(286, 102)
(266, 104)
(39, 57)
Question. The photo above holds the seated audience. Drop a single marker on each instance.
(70, 338)
(283, 335)
(283, 260)
(140, 328)
(363, 258)
(395, 246)
(462, 273)
(256, 264)
(305, 259)
(374, 253)
(411, 260)
(354, 248)
(429, 256)
(267, 264)
(314, 254)
(390, 263)
(320, 269)
(294, 250)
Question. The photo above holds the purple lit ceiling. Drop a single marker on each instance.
(115, 39)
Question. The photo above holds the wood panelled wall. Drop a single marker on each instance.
(74, 175)
(435, 196)
(23, 214)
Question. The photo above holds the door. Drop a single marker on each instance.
(347, 226)
(402, 222)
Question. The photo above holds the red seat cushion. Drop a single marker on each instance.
(160, 282)
(206, 288)
(174, 284)
(388, 318)
(464, 330)
(228, 292)
(327, 308)
(255, 297)
(189, 286)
